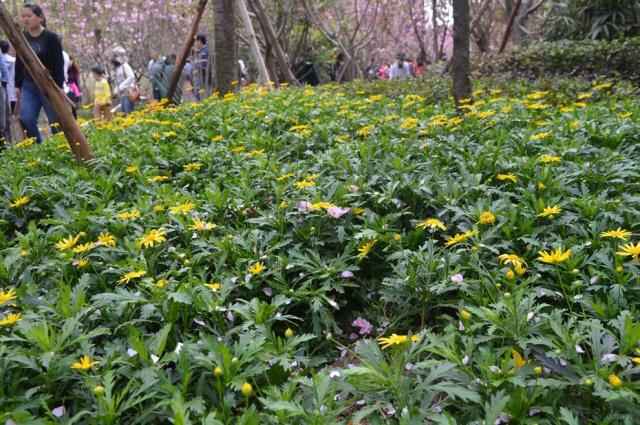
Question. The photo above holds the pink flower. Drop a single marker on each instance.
(346, 274)
(304, 206)
(457, 278)
(337, 212)
(363, 325)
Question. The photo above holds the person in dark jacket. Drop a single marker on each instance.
(48, 48)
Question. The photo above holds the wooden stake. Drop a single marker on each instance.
(263, 74)
(47, 86)
(182, 59)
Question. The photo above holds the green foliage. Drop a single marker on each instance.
(267, 259)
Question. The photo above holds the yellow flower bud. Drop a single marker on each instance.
(98, 390)
(465, 315)
(538, 370)
(288, 333)
(510, 274)
(217, 372)
(615, 380)
(247, 389)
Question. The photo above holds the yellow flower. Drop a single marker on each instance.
(550, 211)
(321, 206)
(128, 277)
(69, 243)
(158, 179)
(10, 319)
(218, 138)
(394, 339)
(549, 159)
(215, 286)
(540, 136)
(431, 223)
(615, 381)
(465, 314)
(618, 234)
(520, 269)
(624, 115)
(81, 249)
(182, 209)
(556, 256)
(20, 202)
(487, 217)
(129, 215)
(459, 238)
(409, 124)
(194, 166)
(246, 389)
(161, 283)
(85, 363)
(289, 333)
(603, 86)
(519, 361)
(630, 250)
(132, 169)
(284, 177)
(580, 105)
(6, 296)
(201, 226)
(365, 248)
(305, 184)
(511, 259)
(81, 263)
(537, 95)
(505, 177)
(256, 268)
(365, 131)
(152, 238)
(106, 239)
(585, 95)
(636, 360)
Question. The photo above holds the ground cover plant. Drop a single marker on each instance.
(349, 254)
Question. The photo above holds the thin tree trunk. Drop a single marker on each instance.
(175, 78)
(263, 74)
(226, 62)
(434, 25)
(507, 31)
(44, 82)
(460, 62)
(272, 38)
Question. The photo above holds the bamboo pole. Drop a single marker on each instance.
(44, 82)
(263, 74)
(182, 59)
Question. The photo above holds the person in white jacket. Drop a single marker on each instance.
(125, 80)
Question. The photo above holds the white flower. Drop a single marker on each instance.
(154, 358)
(178, 348)
(579, 349)
(609, 358)
(465, 360)
(58, 412)
(334, 374)
(131, 352)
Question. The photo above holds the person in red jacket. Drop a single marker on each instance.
(48, 48)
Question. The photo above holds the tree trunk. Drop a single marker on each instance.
(460, 61)
(46, 85)
(175, 78)
(263, 75)
(226, 62)
(272, 38)
(434, 25)
(507, 31)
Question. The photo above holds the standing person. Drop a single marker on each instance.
(401, 69)
(72, 86)
(200, 66)
(102, 95)
(5, 133)
(156, 76)
(10, 61)
(48, 48)
(125, 80)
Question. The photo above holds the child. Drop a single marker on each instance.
(102, 108)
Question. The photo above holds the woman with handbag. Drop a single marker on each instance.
(126, 87)
(48, 47)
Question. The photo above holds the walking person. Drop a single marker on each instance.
(72, 85)
(126, 87)
(102, 95)
(48, 48)
(200, 67)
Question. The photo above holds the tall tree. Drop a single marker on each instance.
(460, 62)
(226, 53)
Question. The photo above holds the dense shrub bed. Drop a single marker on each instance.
(330, 256)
